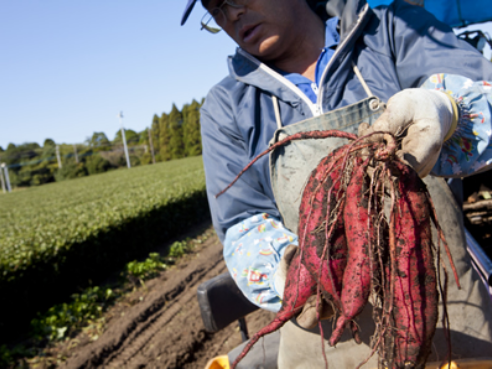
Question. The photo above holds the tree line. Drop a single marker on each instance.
(172, 135)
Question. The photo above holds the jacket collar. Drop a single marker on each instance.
(348, 11)
(248, 69)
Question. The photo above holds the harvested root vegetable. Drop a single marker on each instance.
(351, 252)
(314, 212)
(299, 286)
(357, 277)
(415, 292)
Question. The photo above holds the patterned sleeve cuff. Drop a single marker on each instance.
(252, 251)
(469, 149)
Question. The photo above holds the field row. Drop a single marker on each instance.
(61, 235)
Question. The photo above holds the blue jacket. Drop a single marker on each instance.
(395, 47)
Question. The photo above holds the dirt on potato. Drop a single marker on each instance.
(159, 325)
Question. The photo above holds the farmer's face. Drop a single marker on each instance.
(264, 28)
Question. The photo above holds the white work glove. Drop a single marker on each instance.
(307, 317)
(424, 118)
(281, 273)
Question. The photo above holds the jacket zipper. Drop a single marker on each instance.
(313, 107)
(337, 51)
(316, 108)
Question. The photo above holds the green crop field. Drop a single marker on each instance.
(38, 222)
(64, 233)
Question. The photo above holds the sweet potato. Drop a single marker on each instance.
(320, 197)
(415, 293)
(357, 277)
(299, 286)
(348, 250)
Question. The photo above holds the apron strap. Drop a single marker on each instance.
(276, 109)
(361, 80)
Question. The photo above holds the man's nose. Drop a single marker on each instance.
(233, 13)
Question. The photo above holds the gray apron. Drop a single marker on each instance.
(469, 309)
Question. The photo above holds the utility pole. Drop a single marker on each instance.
(124, 140)
(76, 155)
(151, 146)
(58, 157)
(3, 182)
(7, 179)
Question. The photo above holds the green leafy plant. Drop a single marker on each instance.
(62, 319)
(6, 356)
(178, 249)
(146, 269)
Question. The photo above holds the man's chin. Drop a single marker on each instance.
(265, 50)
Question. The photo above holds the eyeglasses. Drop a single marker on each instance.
(216, 18)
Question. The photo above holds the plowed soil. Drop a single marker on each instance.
(160, 326)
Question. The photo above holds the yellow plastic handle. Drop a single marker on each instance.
(485, 363)
(218, 362)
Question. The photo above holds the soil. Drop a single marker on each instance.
(159, 325)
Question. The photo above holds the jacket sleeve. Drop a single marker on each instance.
(252, 251)
(469, 149)
(225, 154)
(255, 239)
(427, 54)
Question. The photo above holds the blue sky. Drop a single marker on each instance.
(68, 67)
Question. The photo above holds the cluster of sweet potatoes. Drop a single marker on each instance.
(355, 249)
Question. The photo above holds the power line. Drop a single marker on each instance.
(40, 150)
(72, 155)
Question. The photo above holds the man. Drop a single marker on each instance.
(294, 71)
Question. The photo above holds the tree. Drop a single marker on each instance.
(96, 164)
(143, 137)
(99, 141)
(23, 161)
(164, 138)
(191, 130)
(131, 136)
(176, 145)
(49, 142)
(70, 171)
(44, 171)
(49, 149)
(154, 132)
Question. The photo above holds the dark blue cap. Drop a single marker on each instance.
(188, 9)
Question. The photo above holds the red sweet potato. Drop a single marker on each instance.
(341, 256)
(320, 196)
(415, 292)
(299, 286)
(357, 277)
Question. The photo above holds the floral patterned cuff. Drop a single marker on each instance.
(469, 150)
(252, 251)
